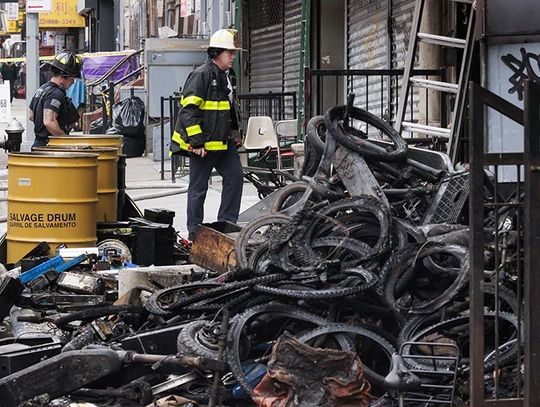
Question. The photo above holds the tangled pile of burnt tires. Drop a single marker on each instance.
(364, 273)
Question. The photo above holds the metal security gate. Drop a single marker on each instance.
(367, 48)
(401, 20)
(266, 46)
(378, 37)
(274, 46)
(504, 250)
(401, 15)
(292, 49)
(372, 79)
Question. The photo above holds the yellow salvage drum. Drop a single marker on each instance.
(94, 140)
(107, 177)
(52, 197)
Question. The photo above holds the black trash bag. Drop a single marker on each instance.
(134, 146)
(128, 117)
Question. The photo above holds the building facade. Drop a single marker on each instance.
(172, 18)
(62, 28)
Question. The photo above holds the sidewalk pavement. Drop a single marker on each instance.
(143, 178)
(143, 184)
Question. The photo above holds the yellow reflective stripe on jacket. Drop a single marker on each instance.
(177, 137)
(216, 105)
(192, 100)
(215, 145)
(183, 145)
(209, 145)
(206, 104)
(193, 130)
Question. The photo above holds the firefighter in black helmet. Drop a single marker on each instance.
(51, 110)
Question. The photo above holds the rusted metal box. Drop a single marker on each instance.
(214, 246)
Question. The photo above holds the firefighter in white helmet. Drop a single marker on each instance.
(207, 130)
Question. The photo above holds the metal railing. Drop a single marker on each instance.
(108, 87)
(376, 90)
(173, 102)
(504, 216)
(431, 393)
(279, 106)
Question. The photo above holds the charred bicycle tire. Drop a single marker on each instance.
(506, 355)
(401, 264)
(229, 300)
(356, 330)
(246, 233)
(189, 342)
(287, 193)
(359, 145)
(222, 289)
(352, 252)
(318, 294)
(154, 302)
(240, 321)
(316, 127)
(362, 204)
(508, 303)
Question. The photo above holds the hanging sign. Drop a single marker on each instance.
(38, 6)
(12, 11)
(5, 105)
(63, 15)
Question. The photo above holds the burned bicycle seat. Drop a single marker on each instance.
(400, 377)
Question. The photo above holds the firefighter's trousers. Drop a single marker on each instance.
(227, 163)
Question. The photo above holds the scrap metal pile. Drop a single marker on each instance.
(354, 292)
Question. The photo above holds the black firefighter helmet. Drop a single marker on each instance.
(67, 63)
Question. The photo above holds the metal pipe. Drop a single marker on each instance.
(532, 236)
(484, 82)
(129, 75)
(173, 159)
(128, 187)
(32, 67)
(155, 186)
(162, 136)
(418, 168)
(175, 360)
(114, 68)
(111, 104)
(103, 110)
(405, 193)
(159, 195)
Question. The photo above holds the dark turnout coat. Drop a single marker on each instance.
(207, 115)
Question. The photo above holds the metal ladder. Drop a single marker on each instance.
(459, 89)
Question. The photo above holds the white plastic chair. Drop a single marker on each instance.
(260, 134)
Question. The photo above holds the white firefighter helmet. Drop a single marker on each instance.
(225, 39)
